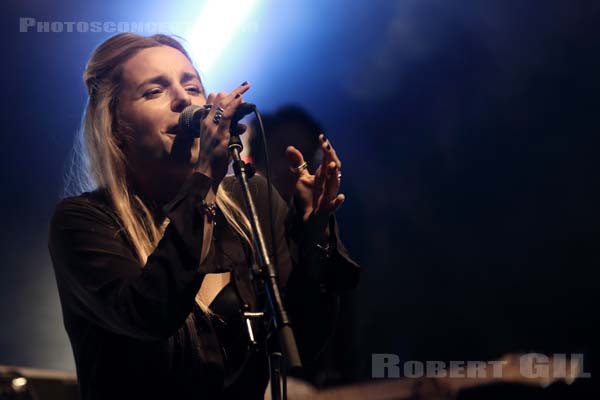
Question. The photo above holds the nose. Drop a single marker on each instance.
(181, 99)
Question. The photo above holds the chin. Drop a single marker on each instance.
(180, 154)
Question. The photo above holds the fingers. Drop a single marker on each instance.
(332, 183)
(321, 181)
(224, 99)
(329, 178)
(329, 153)
(210, 100)
(331, 199)
(223, 108)
(318, 188)
(228, 102)
(243, 88)
(337, 202)
(324, 184)
(296, 161)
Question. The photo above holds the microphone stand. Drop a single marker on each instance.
(269, 276)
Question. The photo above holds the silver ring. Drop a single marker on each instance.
(339, 176)
(217, 117)
(300, 168)
(220, 110)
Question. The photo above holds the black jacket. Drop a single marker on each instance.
(137, 332)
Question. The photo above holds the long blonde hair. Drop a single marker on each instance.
(99, 161)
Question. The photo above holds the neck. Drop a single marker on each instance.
(157, 187)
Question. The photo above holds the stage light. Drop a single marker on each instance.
(220, 21)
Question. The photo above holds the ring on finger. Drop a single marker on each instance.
(207, 107)
(218, 115)
(217, 118)
(299, 168)
(339, 176)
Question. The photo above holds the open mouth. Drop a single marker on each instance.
(173, 130)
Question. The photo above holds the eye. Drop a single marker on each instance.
(153, 92)
(194, 89)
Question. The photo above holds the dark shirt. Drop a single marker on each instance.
(137, 332)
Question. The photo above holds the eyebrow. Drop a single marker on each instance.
(163, 80)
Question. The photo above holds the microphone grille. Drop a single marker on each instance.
(186, 119)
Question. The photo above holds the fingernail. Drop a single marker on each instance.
(237, 95)
(244, 83)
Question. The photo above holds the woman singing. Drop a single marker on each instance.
(154, 262)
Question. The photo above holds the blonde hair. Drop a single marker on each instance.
(98, 160)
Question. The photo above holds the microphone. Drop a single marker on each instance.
(190, 117)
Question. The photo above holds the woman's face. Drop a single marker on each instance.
(157, 84)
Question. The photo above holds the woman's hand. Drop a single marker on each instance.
(318, 193)
(213, 157)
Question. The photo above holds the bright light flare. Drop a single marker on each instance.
(218, 24)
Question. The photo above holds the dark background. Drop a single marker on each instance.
(469, 132)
